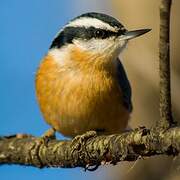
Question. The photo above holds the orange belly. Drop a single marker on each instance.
(74, 102)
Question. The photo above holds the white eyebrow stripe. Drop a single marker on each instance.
(88, 22)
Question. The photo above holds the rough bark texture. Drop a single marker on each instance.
(85, 151)
(166, 119)
(93, 151)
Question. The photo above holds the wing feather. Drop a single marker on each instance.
(124, 85)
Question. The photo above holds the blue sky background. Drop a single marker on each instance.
(26, 31)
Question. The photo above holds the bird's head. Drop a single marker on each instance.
(95, 33)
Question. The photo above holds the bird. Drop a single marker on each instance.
(81, 84)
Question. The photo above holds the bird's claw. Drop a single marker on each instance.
(80, 140)
(48, 135)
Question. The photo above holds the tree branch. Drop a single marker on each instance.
(28, 150)
(166, 119)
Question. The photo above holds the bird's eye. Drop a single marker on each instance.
(99, 34)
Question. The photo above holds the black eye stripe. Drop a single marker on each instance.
(100, 33)
(69, 33)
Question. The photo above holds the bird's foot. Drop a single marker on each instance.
(48, 135)
(78, 145)
(79, 141)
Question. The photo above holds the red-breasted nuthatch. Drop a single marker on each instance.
(81, 84)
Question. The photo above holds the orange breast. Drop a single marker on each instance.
(75, 99)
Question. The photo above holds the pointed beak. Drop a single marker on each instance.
(133, 34)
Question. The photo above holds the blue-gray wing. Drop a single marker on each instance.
(124, 85)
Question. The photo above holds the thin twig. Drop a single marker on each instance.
(166, 119)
